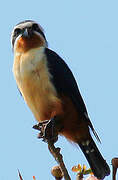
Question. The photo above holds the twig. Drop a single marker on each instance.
(114, 170)
(20, 175)
(59, 158)
(114, 167)
(46, 129)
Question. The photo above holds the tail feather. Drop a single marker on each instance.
(98, 165)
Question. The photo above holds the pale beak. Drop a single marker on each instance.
(27, 33)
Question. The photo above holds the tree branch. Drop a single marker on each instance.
(59, 158)
(47, 129)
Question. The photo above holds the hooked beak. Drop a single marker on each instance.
(27, 33)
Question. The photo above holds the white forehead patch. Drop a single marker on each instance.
(27, 24)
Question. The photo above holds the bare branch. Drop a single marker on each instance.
(49, 134)
(59, 158)
(114, 167)
(20, 175)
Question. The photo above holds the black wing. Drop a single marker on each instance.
(64, 80)
(65, 83)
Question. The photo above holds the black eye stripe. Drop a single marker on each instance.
(35, 27)
(17, 31)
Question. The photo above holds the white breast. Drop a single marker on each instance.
(33, 79)
(28, 61)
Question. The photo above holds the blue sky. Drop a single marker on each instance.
(85, 34)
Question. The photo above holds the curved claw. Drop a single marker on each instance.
(37, 127)
(40, 125)
(48, 130)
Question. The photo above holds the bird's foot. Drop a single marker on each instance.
(48, 130)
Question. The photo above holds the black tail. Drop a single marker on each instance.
(98, 165)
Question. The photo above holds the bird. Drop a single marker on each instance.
(50, 90)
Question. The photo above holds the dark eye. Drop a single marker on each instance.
(35, 27)
(17, 31)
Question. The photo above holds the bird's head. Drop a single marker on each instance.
(27, 35)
